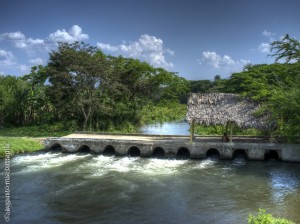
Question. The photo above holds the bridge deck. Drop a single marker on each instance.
(183, 138)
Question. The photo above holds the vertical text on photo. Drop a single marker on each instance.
(8, 204)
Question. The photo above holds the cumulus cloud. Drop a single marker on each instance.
(19, 40)
(216, 61)
(36, 49)
(264, 48)
(36, 61)
(30, 45)
(107, 47)
(6, 58)
(12, 36)
(146, 48)
(74, 34)
(23, 68)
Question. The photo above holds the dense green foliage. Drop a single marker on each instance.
(265, 218)
(91, 90)
(164, 111)
(288, 49)
(43, 130)
(274, 86)
(19, 145)
(219, 130)
(81, 88)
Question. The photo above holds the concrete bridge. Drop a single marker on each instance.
(174, 146)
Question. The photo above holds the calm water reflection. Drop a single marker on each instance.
(167, 128)
(68, 188)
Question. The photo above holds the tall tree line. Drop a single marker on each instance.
(82, 84)
(275, 86)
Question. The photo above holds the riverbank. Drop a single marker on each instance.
(20, 145)
(29, 138)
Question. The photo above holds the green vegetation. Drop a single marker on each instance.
(43, 130)
(167, 111)
(219, 130)
(81, 88)
(274, 86)
(19, 145)
(93, 91)
(265, 218)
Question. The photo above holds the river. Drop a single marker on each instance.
(167, 128)
(82, 188)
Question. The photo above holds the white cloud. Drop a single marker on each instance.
(264, 48)
(23, 68)
(13, 36)
(36, 49)
(146, 48)
(6, 58)
(74, 34)
(216, 61)
(30, 45)
(268, 33)
(19, 40)
(107, 47)
(36, 61)
(170, 52)
(8, 61)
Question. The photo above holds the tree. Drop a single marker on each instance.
(260, 82)
(275, 87)
(134, 84)
(13, 100)
(171, 87)
(201, 86)
(77, 73)
(39, 108)
(288, 49)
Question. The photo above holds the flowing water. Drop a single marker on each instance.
(83, 188)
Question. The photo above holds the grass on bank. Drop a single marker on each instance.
(44, 130)
(19, 145)
(21, 139)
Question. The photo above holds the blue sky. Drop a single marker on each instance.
(197, 39)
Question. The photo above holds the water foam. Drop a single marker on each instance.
(207, 163)
(21, 159)
(102, 165)
(44, 161)
(162, 167)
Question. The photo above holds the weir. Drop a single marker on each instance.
(174, 146)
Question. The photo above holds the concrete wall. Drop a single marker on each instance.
(197, 150)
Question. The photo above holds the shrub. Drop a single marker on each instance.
(264, 218)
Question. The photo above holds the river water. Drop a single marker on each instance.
(82, 188)
(167, 128)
